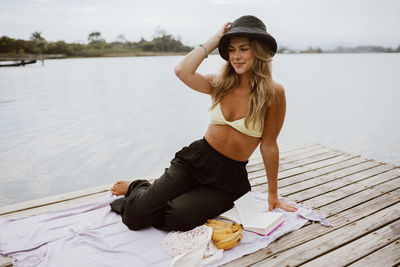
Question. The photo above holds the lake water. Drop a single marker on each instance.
(78, 123)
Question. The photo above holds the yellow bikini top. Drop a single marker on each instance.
(216, 117)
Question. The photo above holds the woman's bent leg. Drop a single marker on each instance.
(194, 207)
(144, 203)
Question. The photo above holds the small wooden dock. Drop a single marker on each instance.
(360, 197)
(22, 60)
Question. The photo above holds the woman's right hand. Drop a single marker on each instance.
(224, 29)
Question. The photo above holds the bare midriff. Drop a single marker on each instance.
(230, 142)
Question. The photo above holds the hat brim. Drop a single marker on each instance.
(266, 38)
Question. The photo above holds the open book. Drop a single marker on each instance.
(247, 213)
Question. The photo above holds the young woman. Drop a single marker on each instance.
(248, 109)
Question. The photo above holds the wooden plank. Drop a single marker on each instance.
(299, 149)
(297, 163)
(297, 184)
(312, 231)
(345, 217)
(322, 175)
(360, 247)
(342, 159)
(296, 149)
(258, 164)
(325, 188)
(359, 171)
(334, 239)
(53, 199)
(350, 188)
(256, 157)
(341, 219)
(366, 194)
(319, 168)
(386, 256)
(312, 179)
(5, 261)
(290, 156)
(59, 198)
(314, 151)
(287, 156)
(55, 206)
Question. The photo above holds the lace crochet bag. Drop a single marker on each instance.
(192, 248)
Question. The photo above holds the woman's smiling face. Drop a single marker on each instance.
(241, 55)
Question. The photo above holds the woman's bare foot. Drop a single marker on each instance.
(120, 188)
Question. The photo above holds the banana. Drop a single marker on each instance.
(234, 226)
(226, 230)
(237, 227)
(230, 242)
(214, 226)
(218, 236)
(238, 224)
(218, 223)
(225, 235)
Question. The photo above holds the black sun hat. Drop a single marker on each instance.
(247, 26)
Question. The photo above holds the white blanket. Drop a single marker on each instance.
(92, 235)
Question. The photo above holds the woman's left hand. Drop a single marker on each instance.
(274, 202)
(224, 29)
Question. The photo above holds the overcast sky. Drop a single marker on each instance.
(294, 23)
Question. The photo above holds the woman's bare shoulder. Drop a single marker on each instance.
(278, 87)
(279, 92)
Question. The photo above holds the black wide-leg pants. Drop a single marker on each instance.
(200, 184)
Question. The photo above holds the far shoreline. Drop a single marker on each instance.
(8, 57)
(18, 57)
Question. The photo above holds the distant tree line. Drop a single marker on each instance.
(340, 49)
(162, 43)
(97, 46)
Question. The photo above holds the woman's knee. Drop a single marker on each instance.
(179, 219)
(186, 215)
(139, 213)
(136, 218)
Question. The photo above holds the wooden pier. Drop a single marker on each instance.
(360, 197)
(22, 60)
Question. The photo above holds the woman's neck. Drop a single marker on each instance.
(244, 80)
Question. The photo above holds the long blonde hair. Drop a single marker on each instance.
(262, 93)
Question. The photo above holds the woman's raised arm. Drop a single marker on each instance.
(186, 68)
